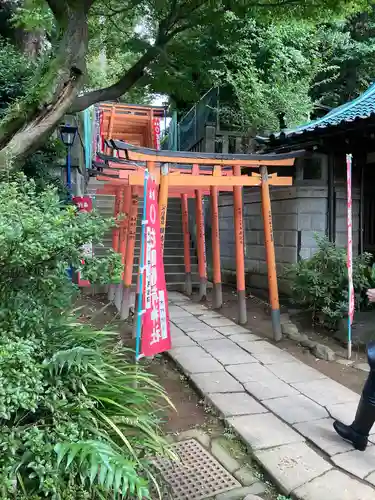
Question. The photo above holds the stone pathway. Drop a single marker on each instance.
(281, 408)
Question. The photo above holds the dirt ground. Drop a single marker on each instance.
(191, 412)
(259, 322)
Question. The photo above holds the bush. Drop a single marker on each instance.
(320, 283)
(77, 419)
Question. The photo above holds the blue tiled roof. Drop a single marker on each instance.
(359, 108)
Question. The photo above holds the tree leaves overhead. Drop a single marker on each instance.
(121, 31)
(140, 43)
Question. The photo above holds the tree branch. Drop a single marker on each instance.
(58, 8)
(167, 30)
(124, 84)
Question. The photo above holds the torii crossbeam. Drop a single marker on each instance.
(187, 174)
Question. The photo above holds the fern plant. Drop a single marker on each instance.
(78, 420)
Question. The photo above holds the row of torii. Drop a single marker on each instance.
(193, 175)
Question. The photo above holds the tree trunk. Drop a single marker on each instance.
(30, 121)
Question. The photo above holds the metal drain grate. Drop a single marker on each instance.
(197, 475)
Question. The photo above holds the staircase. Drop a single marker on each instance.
(174, 266)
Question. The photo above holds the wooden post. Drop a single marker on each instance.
(201, 250)
(124, 209)
(129, 257)
(163, 203)
(240, 251)
(185, 228)
(270, 255)
(115, 236)
(216, 266)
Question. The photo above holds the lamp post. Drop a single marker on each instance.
(68, 134)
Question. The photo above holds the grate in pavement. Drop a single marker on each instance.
(197, 475)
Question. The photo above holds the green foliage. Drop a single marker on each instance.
(77, 418)
(16, 71)
(348, 49)
(320, 284)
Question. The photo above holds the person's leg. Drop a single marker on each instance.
(357, 433)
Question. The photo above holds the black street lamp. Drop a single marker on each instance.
(68, 134)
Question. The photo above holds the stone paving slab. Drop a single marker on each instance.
(344, 412)
(295, 409)
(295, 372)
(268, 357)
(193, 326)
(269, 388)
(358, 463)
(326, 392)
(178, 312)
(250, 373)
(219, 381)
(240, 338)
(322, 434)
(264, 431)
(187, 320)
(196, 309)
(175, 330)
(233, 329)
(195, 360)
(236, 403)
(182, 341)
(209, 315)
(267, 353)
(227, 352)
(205, 334)
(178, 297)
(292, 465)
(334, 485)
(218, 322)
(371, 478)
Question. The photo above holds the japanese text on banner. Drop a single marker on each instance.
(156, 329)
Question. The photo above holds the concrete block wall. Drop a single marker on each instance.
(297, 213)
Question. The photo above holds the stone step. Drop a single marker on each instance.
(172, 277)
(175, 259)
(171, 268)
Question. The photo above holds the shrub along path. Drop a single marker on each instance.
(281, 408)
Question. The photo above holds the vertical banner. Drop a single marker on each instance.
(350, 252)
(156, 132)
(84, 204)
(156, 336)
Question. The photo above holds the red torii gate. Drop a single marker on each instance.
(194, 175)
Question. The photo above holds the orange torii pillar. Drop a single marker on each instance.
(124, 227)
(240, 250)
(115, 235)
(201, 245)
(163, 203)
(129, 255)
(187, 260)
(270, 255)
(217, 299)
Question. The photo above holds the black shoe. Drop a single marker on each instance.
(359, 441)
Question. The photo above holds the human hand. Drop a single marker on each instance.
(371, 294)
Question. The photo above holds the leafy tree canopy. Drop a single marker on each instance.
(140, 39)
